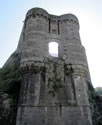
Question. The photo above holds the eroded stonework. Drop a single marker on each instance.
(54, 89)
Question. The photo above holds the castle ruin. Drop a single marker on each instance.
(54, 89)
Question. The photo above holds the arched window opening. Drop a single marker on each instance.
(53, 49)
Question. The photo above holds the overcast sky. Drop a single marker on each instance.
(89, 13)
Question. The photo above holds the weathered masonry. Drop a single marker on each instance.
(54, 87)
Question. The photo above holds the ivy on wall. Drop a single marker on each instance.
(55, 76)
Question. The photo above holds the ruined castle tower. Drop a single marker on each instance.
(54, 88)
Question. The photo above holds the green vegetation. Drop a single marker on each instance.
(55, 75)
(99, 90)
(95, 101)
(10, 84)
(10, 77)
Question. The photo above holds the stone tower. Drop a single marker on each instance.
(54, 89)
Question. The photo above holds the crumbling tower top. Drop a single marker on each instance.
(42, 12)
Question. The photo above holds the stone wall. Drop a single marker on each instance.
(53, 90)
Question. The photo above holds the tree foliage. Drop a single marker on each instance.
(95, 101)
(10, 81)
